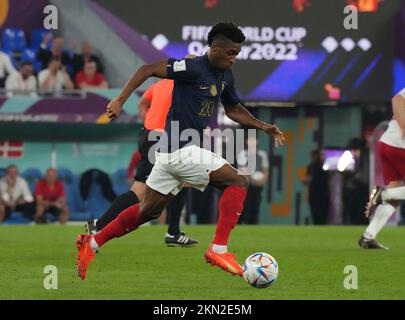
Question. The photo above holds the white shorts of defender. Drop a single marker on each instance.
(190, 165)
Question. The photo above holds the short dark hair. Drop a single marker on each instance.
(11, 166)
(26, 63)
(90, 61)
(54, 59)
(226, 30)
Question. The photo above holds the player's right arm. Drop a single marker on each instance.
(182, 70)
(398, 107)
(156, 69)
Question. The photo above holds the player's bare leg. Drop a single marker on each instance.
(387, 201)
(139, 188)
(127, 221)
(230, 208)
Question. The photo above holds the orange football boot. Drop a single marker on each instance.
(225, 261)
(85, 254)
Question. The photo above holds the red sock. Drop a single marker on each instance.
(230, 209)
(127, 221)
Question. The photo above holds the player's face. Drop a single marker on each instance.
(225, 54)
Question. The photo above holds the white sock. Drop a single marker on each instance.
(381, 216)
(219, 248)
(94, 245)
(397, 193)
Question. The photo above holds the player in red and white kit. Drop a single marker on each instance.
(391, 150)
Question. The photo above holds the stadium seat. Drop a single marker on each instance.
(73, 198)
(95, 200)
(96, 204)
(17, 218)
(120, 181)
(30, 55)
(36, 38)
(80, 216)
(14, 39)
(66, 176)
(32, 175)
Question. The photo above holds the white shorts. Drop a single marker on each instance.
(190, 165)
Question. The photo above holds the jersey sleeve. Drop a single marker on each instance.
(229, 96)
(183, 70)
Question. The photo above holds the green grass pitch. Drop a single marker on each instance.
(139, 266)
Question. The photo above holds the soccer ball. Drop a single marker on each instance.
(260, 270)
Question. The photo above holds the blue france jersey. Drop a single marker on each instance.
(197, 90)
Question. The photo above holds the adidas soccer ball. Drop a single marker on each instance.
(260, 270)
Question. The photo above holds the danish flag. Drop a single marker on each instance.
(11, 149)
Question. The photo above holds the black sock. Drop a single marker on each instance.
(174, 210)
(124, 201)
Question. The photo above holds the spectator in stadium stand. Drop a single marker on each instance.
(45, 55)
(254, 163)
(15, 195)
(356, 183)
(318, 188)
(50, 198)
(6, 68)
(89, 78)
(79, 59)
(54, 78)
(23, 81)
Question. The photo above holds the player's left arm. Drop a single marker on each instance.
(235, 111)
(239, 114)
(184, 69)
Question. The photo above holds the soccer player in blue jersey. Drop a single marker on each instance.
(199, 85)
